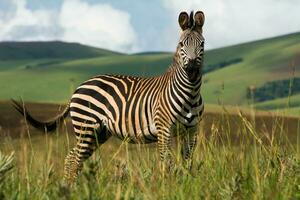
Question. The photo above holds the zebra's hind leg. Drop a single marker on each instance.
(88, 139)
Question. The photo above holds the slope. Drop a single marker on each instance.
(262, 61)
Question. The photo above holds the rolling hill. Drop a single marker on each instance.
(263, 61)
(230, 71)
(48, 50)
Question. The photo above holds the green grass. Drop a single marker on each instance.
(289, 105)
(281, 103)
(241, 164)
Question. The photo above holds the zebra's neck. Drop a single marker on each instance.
(176, 81)
(180, 78)
(183, 96)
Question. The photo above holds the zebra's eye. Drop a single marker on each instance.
(198, 60)
(181, 44)
(202, 44)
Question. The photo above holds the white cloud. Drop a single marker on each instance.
(20, 23)
(102, 25)
(98, 25)
(234, 21)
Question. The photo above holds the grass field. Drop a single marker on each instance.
(242, 153)
(281, 103)
(237, 157)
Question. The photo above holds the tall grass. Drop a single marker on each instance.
(239, 163)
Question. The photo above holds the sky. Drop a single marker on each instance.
(142, 25)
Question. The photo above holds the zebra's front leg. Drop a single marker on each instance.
(189, 141)
(164, 147)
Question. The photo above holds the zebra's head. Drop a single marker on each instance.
(191, 43)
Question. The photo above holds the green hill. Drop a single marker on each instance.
(262, 61)
(230, 71)
(34, 80)
(42, 50)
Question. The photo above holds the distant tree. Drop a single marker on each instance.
(274, 89)
(225, 63)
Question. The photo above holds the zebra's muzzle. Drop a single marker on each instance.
(192, 63)
(193, 70)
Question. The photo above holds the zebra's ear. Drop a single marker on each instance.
(183, 20)
(199, 20)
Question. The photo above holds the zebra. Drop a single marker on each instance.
(137, 109)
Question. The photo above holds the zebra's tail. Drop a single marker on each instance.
(47, 126)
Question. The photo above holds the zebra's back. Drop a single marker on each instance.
(123, 104)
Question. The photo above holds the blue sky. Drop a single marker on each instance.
(142, 25)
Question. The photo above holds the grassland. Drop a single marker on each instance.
(237, 157)
(241, 154)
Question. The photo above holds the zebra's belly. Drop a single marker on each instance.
(145, 135)
(136, 139)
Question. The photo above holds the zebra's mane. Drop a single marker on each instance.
(191, 24)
